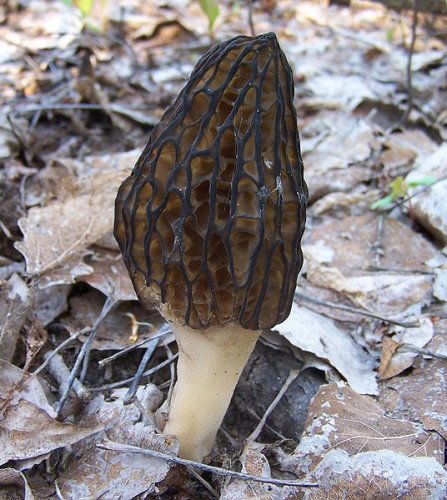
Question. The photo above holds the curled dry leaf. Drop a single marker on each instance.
(430, 207)
(312, 332)
(342, 419)
(377, 474)
(395, 361)
(57, 237)
(15, 303)
(110, 276)
(9, 478)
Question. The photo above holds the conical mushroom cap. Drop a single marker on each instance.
(211, 218)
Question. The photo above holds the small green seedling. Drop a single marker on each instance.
(399, 189)
(211, 9)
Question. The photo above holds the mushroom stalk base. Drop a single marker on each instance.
(208, 369)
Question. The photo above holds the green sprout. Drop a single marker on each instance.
(211, 9)
(399, 189)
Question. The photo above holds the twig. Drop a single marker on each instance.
(355, 310)
(109, 304)
(83, 356)
(128, 398)
(164, 331)
(58, 349)
(422, 351)
(409, 63)
(135, 115)
(203, 482)
(293, 374)
(59, 370)
(250, 17)
(111, 445)
(121, 383)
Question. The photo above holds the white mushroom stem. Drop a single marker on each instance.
(208, 369)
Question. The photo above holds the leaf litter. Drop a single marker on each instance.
(370, 303)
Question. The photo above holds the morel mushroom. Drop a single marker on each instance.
(210, 223)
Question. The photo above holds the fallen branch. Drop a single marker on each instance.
(112, 446)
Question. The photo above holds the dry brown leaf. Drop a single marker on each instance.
(92, 472)
(115, 331)
(9, 478)
(15, 303)
(377, 475)
(312, 332)
(110, 276)
(15, 385)
(389, 347)
(342, 419)
(57, 237)
(253, 462)
(430, 207)
(392, 363)
(27, 432)
(420, 395)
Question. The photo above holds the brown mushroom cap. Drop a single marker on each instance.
(211, 218)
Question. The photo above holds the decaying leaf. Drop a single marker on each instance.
(115, 332)
(15, 303)
(92, 472)
(420, 395)
(27, 432)
(377, 474)
(9, 478)
(57, 237)
(110, 276)
(395, 361)
(430, 207)
(342, 419)
(319, 335)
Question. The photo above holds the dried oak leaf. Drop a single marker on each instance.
(377, 474)
(342, 419)
(420, 395)
(15, 303)
(28, 431)
(10, 477)
(110, 276)
(92, 472)
(57, 237)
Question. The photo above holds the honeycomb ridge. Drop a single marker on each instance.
(210, 220)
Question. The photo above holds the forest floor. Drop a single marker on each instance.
(362, 359)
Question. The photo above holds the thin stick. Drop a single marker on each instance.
(128, 398)
(203, 482)
(121, 383)
(165, 330)
(293, 374)
(83, 355)
(109, 304)
(111, 445)
(59, 348)
(409, 62)
(250, 17)
(355, 310)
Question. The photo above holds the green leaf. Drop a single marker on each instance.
(85, 6)
(211, 9)
(398, 188)
(428, 180)
(383, 203)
